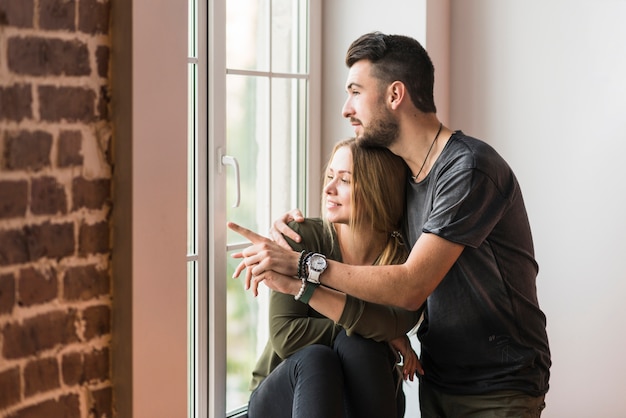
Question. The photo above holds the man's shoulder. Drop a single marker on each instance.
(471, 152)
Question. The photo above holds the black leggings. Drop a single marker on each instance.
(355, 378)
(371, 382)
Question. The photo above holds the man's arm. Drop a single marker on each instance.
(405, 285)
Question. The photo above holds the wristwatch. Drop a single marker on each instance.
(316, 264)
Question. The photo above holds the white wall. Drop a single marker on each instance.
(342, 22)
(545, 83)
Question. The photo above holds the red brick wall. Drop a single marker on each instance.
(55, 203)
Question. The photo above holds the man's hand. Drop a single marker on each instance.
(280, 227)
(266, 261)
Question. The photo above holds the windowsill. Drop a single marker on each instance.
(238, 413)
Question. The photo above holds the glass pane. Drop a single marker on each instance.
(247, 133)
(289, 36)
(302, 123)
(247, 35)
(247, 333)
(285, 140)
(247, 140)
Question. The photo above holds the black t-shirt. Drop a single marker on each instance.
(483, 329)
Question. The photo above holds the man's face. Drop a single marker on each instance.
(373, 122)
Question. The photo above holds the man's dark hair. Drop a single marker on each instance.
(398, 58)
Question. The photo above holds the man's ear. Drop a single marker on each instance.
(396, 94)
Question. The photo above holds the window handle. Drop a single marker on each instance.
(232, 161)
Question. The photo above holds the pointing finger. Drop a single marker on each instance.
(246, 233)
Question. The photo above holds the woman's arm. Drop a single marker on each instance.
(378, 322)
(369, 320)
(294, 325)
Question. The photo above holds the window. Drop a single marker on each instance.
(196, 218)
(250, 107)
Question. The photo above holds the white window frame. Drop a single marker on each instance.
(213, 307)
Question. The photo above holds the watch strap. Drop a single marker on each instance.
(309, 288)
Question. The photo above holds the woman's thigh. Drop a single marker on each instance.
(371, 381)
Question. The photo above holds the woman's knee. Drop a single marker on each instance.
(317, 356)
(357, 348)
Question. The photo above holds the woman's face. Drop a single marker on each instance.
(338, 189)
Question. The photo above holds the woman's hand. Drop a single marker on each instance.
(410, 362)
(266, 261)
(277, 236)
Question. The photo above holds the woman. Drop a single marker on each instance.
(329, 353)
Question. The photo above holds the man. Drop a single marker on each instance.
(483, 339)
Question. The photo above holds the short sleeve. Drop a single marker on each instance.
(467, 205)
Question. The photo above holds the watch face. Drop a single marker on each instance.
(318, 263)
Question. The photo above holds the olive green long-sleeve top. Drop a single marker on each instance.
(294, 325)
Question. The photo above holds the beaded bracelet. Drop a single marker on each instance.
(302, 289)
(301, 264)
(302, 267)
(305, 267)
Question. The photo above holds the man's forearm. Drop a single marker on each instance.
(385, 285)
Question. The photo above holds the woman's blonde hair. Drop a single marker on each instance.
(378, 196)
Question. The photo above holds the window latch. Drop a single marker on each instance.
(232, 161)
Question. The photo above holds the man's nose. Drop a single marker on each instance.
(347, 110)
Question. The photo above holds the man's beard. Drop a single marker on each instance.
(383, 132)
